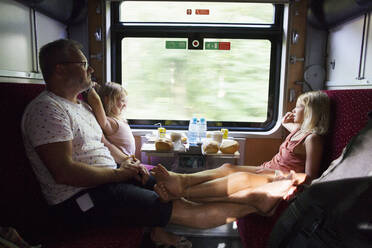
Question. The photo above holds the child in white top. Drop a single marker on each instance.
(108, 108)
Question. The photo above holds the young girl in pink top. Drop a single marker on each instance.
(108, 107)
(300, 152)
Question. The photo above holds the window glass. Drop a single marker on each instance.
(196, 12)
(175, 83)
(222, 64)
(15, 38)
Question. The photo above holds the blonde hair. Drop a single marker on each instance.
(109, 93)
(316, 111)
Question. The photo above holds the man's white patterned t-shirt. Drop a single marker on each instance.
(50, 119)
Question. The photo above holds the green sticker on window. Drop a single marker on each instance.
(175, 44)
(211, 45)
(217, 45)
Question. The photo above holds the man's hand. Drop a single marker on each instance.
(143, 174)
(129, 169)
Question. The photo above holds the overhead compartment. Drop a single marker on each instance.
(66, 11)
(326, 14)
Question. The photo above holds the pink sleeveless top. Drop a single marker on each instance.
(286, 160)
(123, 138)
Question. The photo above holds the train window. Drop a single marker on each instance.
(196, 12)
(222, 63)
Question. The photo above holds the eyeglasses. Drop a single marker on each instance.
(84, 63)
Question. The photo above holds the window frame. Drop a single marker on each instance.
(271, 32)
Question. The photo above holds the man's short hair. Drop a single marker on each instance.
(56, 52)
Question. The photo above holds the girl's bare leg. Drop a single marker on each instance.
(177, 183)
(220, 187)
(206, 215)
(275, 189)
(240, 193)
(227, 185)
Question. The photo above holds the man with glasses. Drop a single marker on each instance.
(79, 176)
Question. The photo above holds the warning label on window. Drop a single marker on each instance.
(202, 11)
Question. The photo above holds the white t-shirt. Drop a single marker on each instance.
(49, 119)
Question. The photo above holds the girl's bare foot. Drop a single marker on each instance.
(174, 183)
(160, 173)
(265, 197)
(298, 178)
(163, 193)
(272, 193)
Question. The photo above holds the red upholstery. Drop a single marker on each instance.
(349, 115)
(22, 205)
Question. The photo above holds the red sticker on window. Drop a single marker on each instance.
(202, 11)
(223, 45)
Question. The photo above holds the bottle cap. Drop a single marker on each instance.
(225, 132)
(161, 132)
(202, 120)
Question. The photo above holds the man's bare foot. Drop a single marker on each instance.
(161, 237)
(173, 182)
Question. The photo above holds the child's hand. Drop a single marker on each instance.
(288, 118)
(96, 86)
(92, 96)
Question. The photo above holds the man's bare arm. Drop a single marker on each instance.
(57, 157)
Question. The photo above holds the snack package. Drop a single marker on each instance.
(163, 145)
(175, 136)
(210, 147)
(229, 146)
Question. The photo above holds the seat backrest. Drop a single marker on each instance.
(349, 109)
(21, 200)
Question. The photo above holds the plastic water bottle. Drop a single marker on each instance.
(193, 131)
(202, 129)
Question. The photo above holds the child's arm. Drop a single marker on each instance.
(108, 125)
(314, 151)
(288, 123)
